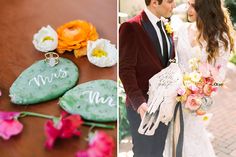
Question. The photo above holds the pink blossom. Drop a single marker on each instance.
(193, 88)
(218, 74)
(66, 127)
(193, 102)
(9, 125)
(208, 80)
(9, 115)
(204, 69)
(214, 72)
(208, 89)
(100, 145)
(181, 91)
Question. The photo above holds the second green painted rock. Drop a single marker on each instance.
(94, 100)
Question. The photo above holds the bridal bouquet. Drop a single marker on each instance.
(199, 86)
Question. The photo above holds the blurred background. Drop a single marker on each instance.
(220, 121)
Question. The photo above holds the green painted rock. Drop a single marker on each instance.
(41, 82)
(94, 100)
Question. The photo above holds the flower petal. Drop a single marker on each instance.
(9, 115)
(9, 128)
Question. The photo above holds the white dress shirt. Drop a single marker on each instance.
(154, 19)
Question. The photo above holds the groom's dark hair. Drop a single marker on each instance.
(149, 1)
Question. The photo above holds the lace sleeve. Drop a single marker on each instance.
(222, 59)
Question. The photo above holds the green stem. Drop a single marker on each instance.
(99, 125)
(23, 114)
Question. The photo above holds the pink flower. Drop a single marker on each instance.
(219, 74)
(193, 88)
(100, 145)
(9, 125)
(204, 69)
(193, 102)
(208, 80)
(66, 127)
(208, 89)
(200, 86)
(181, 91)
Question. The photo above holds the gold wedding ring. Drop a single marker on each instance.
(51, 58)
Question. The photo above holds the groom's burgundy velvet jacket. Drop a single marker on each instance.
(139, 58)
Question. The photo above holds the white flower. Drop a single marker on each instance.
(101, 53)
(189, 84)
(193, 63)
(46, 39)
(195, 76)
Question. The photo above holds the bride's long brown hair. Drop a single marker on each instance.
(213, 22)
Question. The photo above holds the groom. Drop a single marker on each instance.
(145, 49)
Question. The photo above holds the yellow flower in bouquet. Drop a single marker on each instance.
(194, 63)
(73, 37)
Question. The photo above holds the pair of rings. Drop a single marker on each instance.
(51, 58)
(172, 60)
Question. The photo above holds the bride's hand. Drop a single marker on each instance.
(167, 110)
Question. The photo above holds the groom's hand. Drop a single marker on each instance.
(142, 109)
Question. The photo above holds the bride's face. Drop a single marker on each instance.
(192, 15)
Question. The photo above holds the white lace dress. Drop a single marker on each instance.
(196, 139)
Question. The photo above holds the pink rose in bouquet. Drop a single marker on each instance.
(193, 102)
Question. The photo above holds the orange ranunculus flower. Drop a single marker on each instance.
(73, 36)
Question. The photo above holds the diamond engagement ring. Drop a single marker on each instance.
(51, 58)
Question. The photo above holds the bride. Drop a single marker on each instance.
(208, 38)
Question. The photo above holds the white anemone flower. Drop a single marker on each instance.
(195, 76)
(101, 53)
(46, 39)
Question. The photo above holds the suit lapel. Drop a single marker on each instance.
(171, 46)
(151, 32)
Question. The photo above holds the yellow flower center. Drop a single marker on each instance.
(99, 53)
(47, 38)
(205, 118)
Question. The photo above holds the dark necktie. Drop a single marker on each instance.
(164, 43)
